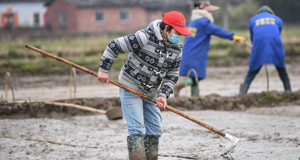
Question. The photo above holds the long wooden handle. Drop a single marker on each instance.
(76, 106)
(128, 89)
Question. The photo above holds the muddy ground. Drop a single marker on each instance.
(267, 123)
(265, 133)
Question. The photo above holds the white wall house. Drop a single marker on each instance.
(22, 13)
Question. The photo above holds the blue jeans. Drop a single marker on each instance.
(141, 115)
(281, 71)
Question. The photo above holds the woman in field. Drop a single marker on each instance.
(152, 69)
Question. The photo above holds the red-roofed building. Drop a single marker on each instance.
(107, 15)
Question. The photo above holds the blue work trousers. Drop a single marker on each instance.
(281, 72)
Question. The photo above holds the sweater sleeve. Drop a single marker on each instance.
(131, 43)
(171, 79)
(211, 28)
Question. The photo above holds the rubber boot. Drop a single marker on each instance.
(177, 88)
(151, 147)
(244, 89)
(194, 91)
(181, 84)
(136, 148)
(287, 87)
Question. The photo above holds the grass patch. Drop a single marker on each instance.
(270, 99)
(238, 51)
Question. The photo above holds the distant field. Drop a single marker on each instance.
(86, 51)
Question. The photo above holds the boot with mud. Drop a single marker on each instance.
(136, 148)
(151, 147)
(194, 91)
(182, 82)
(244, 89)
(177, 88)
(287, 87)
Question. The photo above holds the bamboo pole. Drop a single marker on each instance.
(31, 108)
(76, 106)
(60, 104)
(6, 87)
(10, 85)
(74, 81)
(70, 84)
(44, 100)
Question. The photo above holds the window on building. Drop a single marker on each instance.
(124, 15)
(36, 19)
(63, 18)
(100, 16)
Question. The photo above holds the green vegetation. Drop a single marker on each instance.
(270, 99)
(86, 51)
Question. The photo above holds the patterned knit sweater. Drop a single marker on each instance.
(151, 66)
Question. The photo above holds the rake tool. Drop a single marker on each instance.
(232, 139)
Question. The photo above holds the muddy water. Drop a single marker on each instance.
(224, 81)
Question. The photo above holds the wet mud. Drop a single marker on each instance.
(267, 123)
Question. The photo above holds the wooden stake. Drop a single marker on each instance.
(70, 84)
(30, 105)
(6, 87)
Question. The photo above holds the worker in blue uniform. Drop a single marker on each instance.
(195, 49)
(265, 29)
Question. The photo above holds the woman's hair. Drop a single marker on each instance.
(163, 25)
(197, 5)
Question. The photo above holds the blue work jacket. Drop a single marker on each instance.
(265, 29)
(196, 46)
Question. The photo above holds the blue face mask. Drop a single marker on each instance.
(174, 39)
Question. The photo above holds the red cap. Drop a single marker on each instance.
(177, 21)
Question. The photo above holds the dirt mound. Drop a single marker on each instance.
(237, 103)
(210, 102)
(42, 110)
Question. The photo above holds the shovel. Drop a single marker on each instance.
(232, 139)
